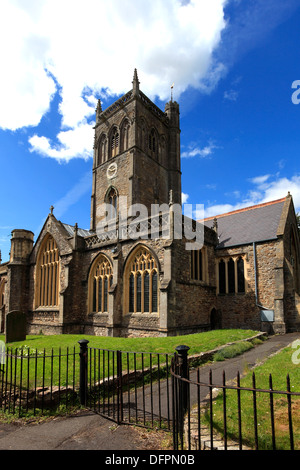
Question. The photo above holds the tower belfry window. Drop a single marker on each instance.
(152, 143)
(112, 200)
(102, 150)
(115, 143)
(153, 147)
(124, 140)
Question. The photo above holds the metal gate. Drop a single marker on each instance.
(128, 387)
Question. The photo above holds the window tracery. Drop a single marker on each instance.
(112, 201)
(47, 280)
(231, 275)
(114, 142)
(100, 281)
(142, 283)
(102, 150)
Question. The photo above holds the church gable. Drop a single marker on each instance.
(57, 230)
(140, 278)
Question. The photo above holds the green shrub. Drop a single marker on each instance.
(232, 350)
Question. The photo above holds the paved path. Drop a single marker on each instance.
(260, 353)
(89, 431)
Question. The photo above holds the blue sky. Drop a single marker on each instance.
(233, 64)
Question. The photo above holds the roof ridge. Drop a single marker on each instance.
(244, 209)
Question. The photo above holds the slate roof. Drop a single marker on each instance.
(248, 225)
(81, 232)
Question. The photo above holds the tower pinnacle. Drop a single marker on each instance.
(98, 111)
(135, 83)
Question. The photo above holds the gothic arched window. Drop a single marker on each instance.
(231, 276)
(196, 265)
(143, 135)
(125, 136)
(2, 291)
(162, 151)
(114, 142)
(153, 143)
(99, 283)
(102, 150)
(241, 275)
(112, 200)
(222, 277)
(47, 274)
(142, 283)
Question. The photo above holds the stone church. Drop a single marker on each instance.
(137, 275)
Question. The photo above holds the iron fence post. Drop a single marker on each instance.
(119, 388)
(83, 371)
(182, 352)
(183, 372)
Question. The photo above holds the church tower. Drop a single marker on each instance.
(136, 153)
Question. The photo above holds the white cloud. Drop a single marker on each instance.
(231, 95)
(263, 192)
(73, 143)
(198, 151)
(184, 198)
(259, 179)
(26, 88)
(95, 45)
(280, 187)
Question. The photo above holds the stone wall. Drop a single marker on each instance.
(291, 267)
(242, 310)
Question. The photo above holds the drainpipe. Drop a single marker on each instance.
(255, 273)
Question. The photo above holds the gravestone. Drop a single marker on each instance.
(15, 327)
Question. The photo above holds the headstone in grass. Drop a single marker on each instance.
(15, 326)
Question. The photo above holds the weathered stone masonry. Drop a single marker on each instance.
(57, 280)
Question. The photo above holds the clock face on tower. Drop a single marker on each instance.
(112, 171)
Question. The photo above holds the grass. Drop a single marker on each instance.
(58, 368)
(53, 361)
(278, 366)
(199, 342)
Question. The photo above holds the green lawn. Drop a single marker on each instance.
(199, 342)
(52, 361)
(278, 366)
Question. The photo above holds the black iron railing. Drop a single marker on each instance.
(38, 381)
(227, 416)
(130, 387)
(156, 391)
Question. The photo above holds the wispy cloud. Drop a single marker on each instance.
(73, 195)
(202, 152)
(247, 26)
(231, 95)
(259, 180)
